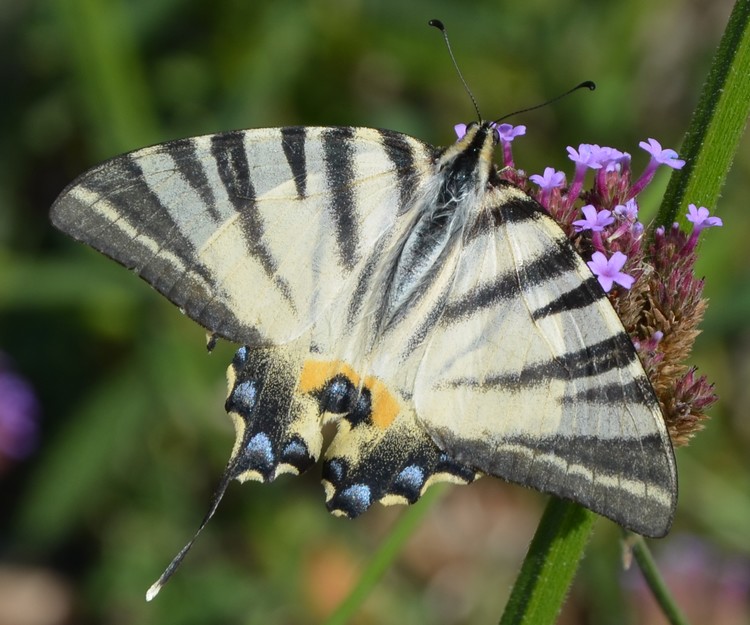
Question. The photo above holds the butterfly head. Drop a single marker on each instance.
(465, 166)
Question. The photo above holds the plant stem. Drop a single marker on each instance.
(654, 580)
(550, 564)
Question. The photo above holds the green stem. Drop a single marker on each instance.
(717, 125)
(654, 580)
(550, 564)
(384, 557)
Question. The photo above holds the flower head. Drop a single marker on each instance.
(607, 271)
(661, 303)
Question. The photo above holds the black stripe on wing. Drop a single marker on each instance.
(338, 155)
(293, 143)
(230, 154)
(122, 184)
(193, 171)
(613, 353)
(636, 392)
(553, 262)
(401, 154)
(585, 294)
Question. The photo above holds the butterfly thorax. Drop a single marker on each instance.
(438, 220)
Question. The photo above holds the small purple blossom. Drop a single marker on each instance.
(551, 179)
(506, 134)
(548, 181)
(607, 271)
(700, 218)
(659, 156)
(585, 157)
(613, 159)
(460, 130)
(594, 221)
(628, 211)
(663, 156)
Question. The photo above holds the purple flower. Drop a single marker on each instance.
(608, 271)
(663, 156)
(700, 218)
(19, 410)
(628, 211)
(551, 179)
(506, 133)
(595, 221)
(460, 130)
(659, 156)
(613, 160)
(586, 157)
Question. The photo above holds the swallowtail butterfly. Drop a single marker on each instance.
(431, 309)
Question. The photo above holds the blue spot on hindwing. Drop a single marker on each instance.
(411, 478)
(259, 452)
(240, 357)
(244, 396)
(355, 499)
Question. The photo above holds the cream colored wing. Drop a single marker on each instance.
(528, 374)
(254, 234)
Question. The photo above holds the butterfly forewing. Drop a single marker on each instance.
(530, 375)
(255, 234)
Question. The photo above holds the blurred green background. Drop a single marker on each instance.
(132, 433)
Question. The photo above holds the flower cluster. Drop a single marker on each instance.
(649, 277)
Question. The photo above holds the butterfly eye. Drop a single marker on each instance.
(495, 133)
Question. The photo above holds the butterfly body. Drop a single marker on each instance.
(432, 310)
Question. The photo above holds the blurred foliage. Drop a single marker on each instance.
(134, 436)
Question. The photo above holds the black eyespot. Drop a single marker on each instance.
(338, 395)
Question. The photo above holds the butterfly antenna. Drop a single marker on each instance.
(159, 583)
(441, 27)
(587, 84)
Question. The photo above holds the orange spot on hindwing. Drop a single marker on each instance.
(317, 374)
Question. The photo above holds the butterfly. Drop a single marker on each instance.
(434, 311)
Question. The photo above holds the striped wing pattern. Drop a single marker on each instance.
(432, 310)
(530, 376)
(254, 234)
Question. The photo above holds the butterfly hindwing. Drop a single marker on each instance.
(254, 233)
